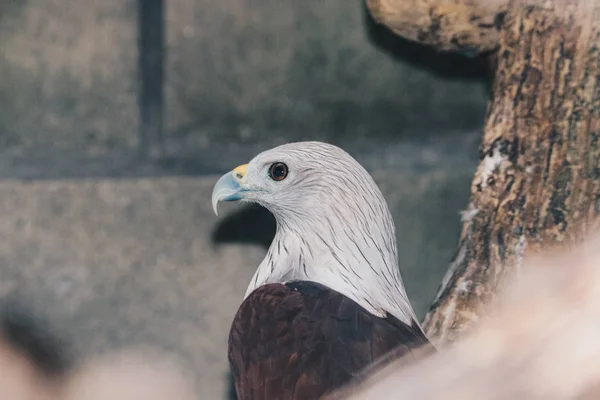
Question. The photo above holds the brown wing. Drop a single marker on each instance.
(302, 340)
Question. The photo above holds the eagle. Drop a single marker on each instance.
(328, 300)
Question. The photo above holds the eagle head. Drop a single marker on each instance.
(307, 180)
(333, 223)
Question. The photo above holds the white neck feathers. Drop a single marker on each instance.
(354, 254)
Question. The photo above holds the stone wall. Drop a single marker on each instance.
(237, 71)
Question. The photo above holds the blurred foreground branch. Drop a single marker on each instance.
(540, 341)
(36, 364)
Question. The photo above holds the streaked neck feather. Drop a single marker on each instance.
(361, 267)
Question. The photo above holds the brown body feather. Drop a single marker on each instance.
(302, 340)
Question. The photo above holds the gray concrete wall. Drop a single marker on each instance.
(245, 71)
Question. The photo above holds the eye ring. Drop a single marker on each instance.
(278, 171)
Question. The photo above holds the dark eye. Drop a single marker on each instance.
(278, 171)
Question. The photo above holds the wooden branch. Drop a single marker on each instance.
(462, 25)
(538, 182)
(540, 342)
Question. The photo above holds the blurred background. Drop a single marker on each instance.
(117, 117)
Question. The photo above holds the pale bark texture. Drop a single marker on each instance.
(538, 182)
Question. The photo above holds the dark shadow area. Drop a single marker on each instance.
(31, 336)
(252, 224)
(230, 395)
(445, 64)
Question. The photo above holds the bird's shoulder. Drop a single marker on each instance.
(303, 338)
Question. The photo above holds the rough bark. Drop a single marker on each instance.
(468, 26)
(541, 344)
(538, 181)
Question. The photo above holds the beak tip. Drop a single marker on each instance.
(215, 203)
(226, 189)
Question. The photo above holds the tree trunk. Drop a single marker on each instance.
(538, 182)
